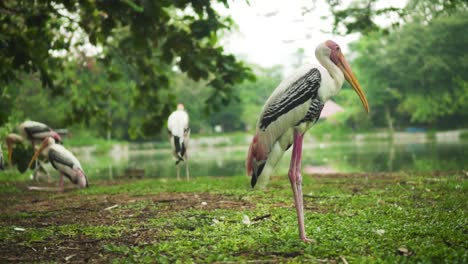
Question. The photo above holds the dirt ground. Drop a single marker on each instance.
(46, 209)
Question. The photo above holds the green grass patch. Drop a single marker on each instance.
(373, 219)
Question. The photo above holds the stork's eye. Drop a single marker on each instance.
(337, 48)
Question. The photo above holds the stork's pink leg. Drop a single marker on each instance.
(37, 160)
(187, 174)
(178, 171)
(295, 178)
(61, 182)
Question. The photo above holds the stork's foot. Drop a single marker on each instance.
(309, 240)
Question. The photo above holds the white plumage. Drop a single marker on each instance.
(179, 133)
(178, 122)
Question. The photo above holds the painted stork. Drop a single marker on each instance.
(2, 164)
(179, 133)
(33, 132)
(290, 111)
(63, 161)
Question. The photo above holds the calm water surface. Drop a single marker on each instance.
(334, 157)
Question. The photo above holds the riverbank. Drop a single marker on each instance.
(241, 139)
(385, 218)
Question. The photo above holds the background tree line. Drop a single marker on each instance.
(414, 72)
(145, 40)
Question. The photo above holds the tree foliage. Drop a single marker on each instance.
(149, 37)
(414, 71)
(418, 73)
(432, 68)
(361, 16)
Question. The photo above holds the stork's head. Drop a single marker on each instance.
(331, 50)
(82, 180)
(56, 137)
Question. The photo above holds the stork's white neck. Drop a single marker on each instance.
(45, 151)
(332, 78)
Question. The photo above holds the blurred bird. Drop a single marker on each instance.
(33, 132)
(11, 140)
(63, 161)
(179, 132)
(2, 164)
(294, 106)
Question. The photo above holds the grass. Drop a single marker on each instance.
(376, 218)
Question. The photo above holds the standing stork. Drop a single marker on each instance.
(179, 133)
(33, 132)
(63, 161)
(2, 164)
(290, 111)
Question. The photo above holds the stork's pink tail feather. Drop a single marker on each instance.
(250, 154)
(255, 153)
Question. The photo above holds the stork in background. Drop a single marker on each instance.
(63, 161)
(294, 106)
(179, 133)
(2, 163)
(32, 131)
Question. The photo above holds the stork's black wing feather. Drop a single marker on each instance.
(313, 113)
(303, 89)
(34, 130)
(55, 158)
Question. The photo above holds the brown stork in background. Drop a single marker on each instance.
(294, 106)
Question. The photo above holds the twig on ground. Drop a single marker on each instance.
(344, 260)
(69, 257)
(38, 188)
(258, 218)
(166, 201)
(111, 207)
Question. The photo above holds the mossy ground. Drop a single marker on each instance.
(354, 218)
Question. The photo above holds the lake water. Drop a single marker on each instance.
(382, 156)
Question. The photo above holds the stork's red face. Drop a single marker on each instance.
(56, 137)
(335, 51)
(339, 60)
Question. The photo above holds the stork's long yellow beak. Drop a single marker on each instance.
(43, 146)
(349, 76)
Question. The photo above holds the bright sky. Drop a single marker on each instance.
(271, 31)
